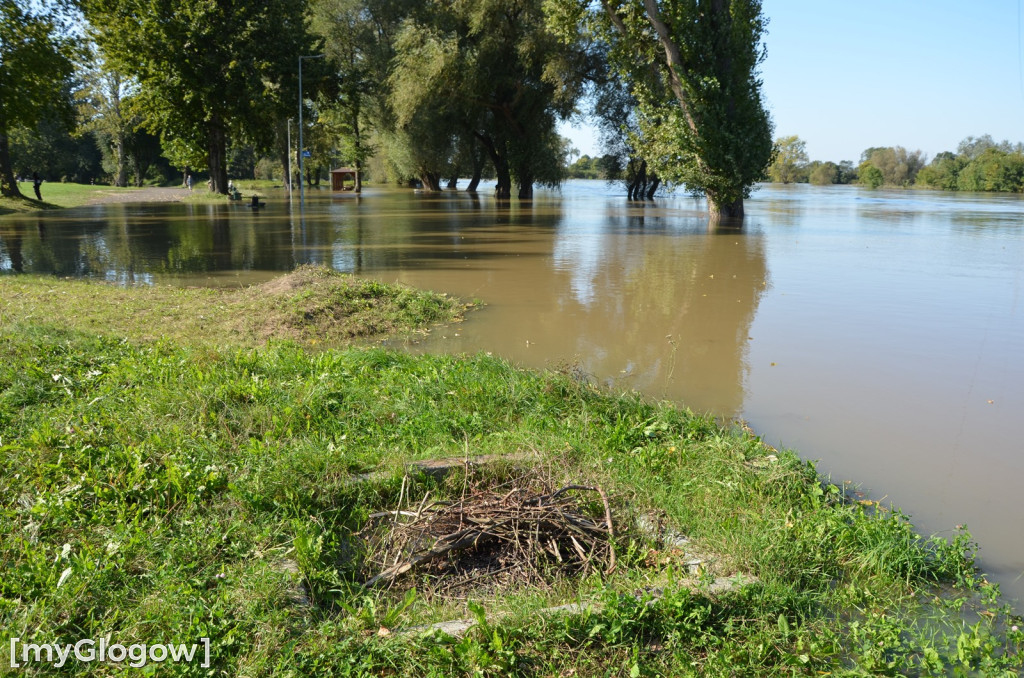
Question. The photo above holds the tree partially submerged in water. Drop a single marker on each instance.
(491, 72)
(701, 118)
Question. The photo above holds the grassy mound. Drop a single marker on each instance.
(313, 304)
(163, 493)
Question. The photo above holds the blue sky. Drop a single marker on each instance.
(845, 76)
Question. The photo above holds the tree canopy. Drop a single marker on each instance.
(37, 51)
(790, 160)
(701, 117)
(207, 71)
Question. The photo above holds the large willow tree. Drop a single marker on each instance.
(701, 117)
(489, 73)
(208, 70)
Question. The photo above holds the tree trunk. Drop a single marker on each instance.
(217, 147)
(478, 170)
(720, 210)
(122, 161)
(503, 189)
(637, 185)
(525, 185)
(431, 181)
(284, 161)
(655, 182)
(357, 137)
(8, 186)
(139, 169)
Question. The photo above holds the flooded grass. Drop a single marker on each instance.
(168, 489)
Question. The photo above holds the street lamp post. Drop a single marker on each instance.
(288, 155)
(302, 150)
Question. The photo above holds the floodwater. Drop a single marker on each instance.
(881, 333)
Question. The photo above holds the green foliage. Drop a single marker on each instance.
(824, 173)
(942, 173)
(37, 51)
(701, 119)
(870, 175)
(980, 164)
(487, 72)
(993, 170)
(358, 40)
(55, 154)
(790, 163)
(604, 167)
(207, 72)
(898, 167)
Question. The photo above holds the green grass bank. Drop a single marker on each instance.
(58, 196)
(312, 305)
(163, 489)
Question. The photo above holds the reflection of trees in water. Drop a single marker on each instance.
(408, 231)
(38, 245)
(11, 236)
(673, 308)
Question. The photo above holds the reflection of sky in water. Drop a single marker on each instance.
(580, 252)
(343, 260)
(127, 278)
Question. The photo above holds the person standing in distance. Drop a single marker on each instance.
(36, 183)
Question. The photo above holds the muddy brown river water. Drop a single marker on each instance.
(879, 332)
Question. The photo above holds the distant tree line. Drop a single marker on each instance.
(979, 164)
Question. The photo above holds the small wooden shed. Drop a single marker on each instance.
(343, 179)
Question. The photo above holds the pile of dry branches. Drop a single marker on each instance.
(486, 532)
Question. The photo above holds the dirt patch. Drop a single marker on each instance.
(297, 279)
(147, 194)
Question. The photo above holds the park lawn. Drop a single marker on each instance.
(222, 484)
(56, 195)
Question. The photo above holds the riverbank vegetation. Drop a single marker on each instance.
(979, 164)
(181, 482)
(400, 91)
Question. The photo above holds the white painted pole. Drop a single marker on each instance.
(302, 149)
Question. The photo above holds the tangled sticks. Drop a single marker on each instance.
(512, 530)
